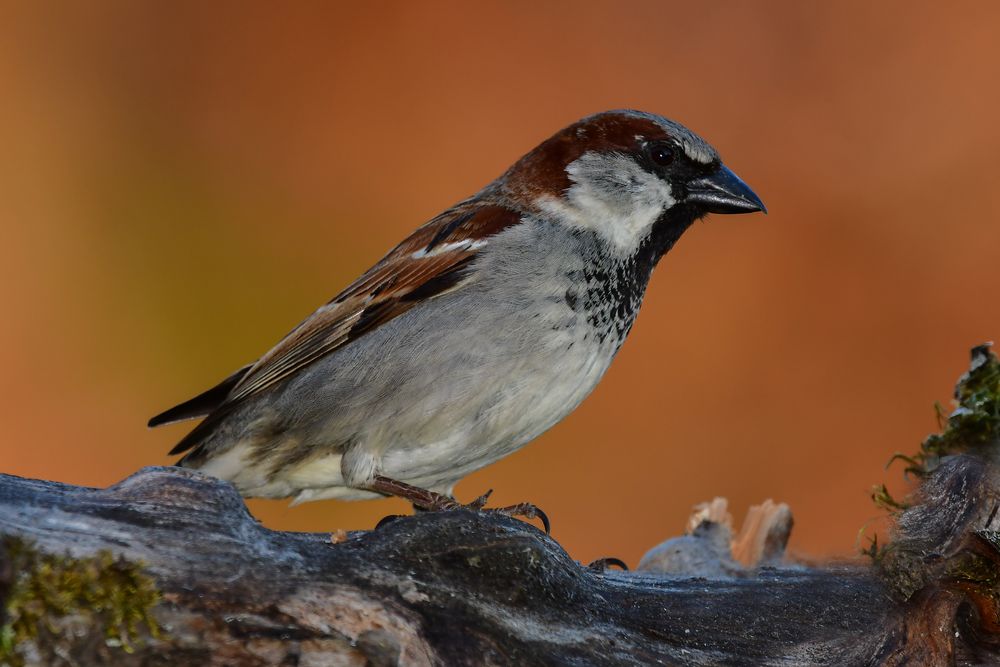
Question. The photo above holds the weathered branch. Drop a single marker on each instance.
(470, 588)
(448, 588)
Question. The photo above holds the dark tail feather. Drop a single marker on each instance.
(198, 434)
(202, 404)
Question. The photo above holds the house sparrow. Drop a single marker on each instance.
(476, 334)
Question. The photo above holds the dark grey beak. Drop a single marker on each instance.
(723, 192)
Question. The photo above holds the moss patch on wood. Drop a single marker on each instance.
(974, 424)
(111, 598)
(975, 421)
(922, 561)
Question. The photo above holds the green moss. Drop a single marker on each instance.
(873, 550)
(973, 424)
(111, 595)
(884, 500)
(975, 421)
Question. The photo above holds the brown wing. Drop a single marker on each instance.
(428, 263)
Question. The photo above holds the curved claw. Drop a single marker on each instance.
(545, 520)
(602, 564)
(528, 511)
(386, 520)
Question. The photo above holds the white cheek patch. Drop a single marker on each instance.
(612, 195)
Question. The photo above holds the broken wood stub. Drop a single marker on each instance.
(709, 547)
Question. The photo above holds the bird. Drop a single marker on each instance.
(477, 333)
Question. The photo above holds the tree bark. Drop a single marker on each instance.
(473, 588)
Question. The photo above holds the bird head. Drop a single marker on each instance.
(626, 176)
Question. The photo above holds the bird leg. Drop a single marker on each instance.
(422, 498)
(433, 501)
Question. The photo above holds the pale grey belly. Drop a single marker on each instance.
(513, 403)
(466, 396)
(429, 398)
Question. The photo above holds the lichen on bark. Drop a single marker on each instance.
(44, 596)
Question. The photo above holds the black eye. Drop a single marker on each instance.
(661, 154)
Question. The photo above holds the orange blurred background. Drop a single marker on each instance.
(180, 184)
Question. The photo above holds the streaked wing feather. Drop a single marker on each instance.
(428, 263)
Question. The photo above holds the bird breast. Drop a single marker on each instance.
(462, 380)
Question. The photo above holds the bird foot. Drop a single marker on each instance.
(432, 501)
(526, 511)
(442, 503)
